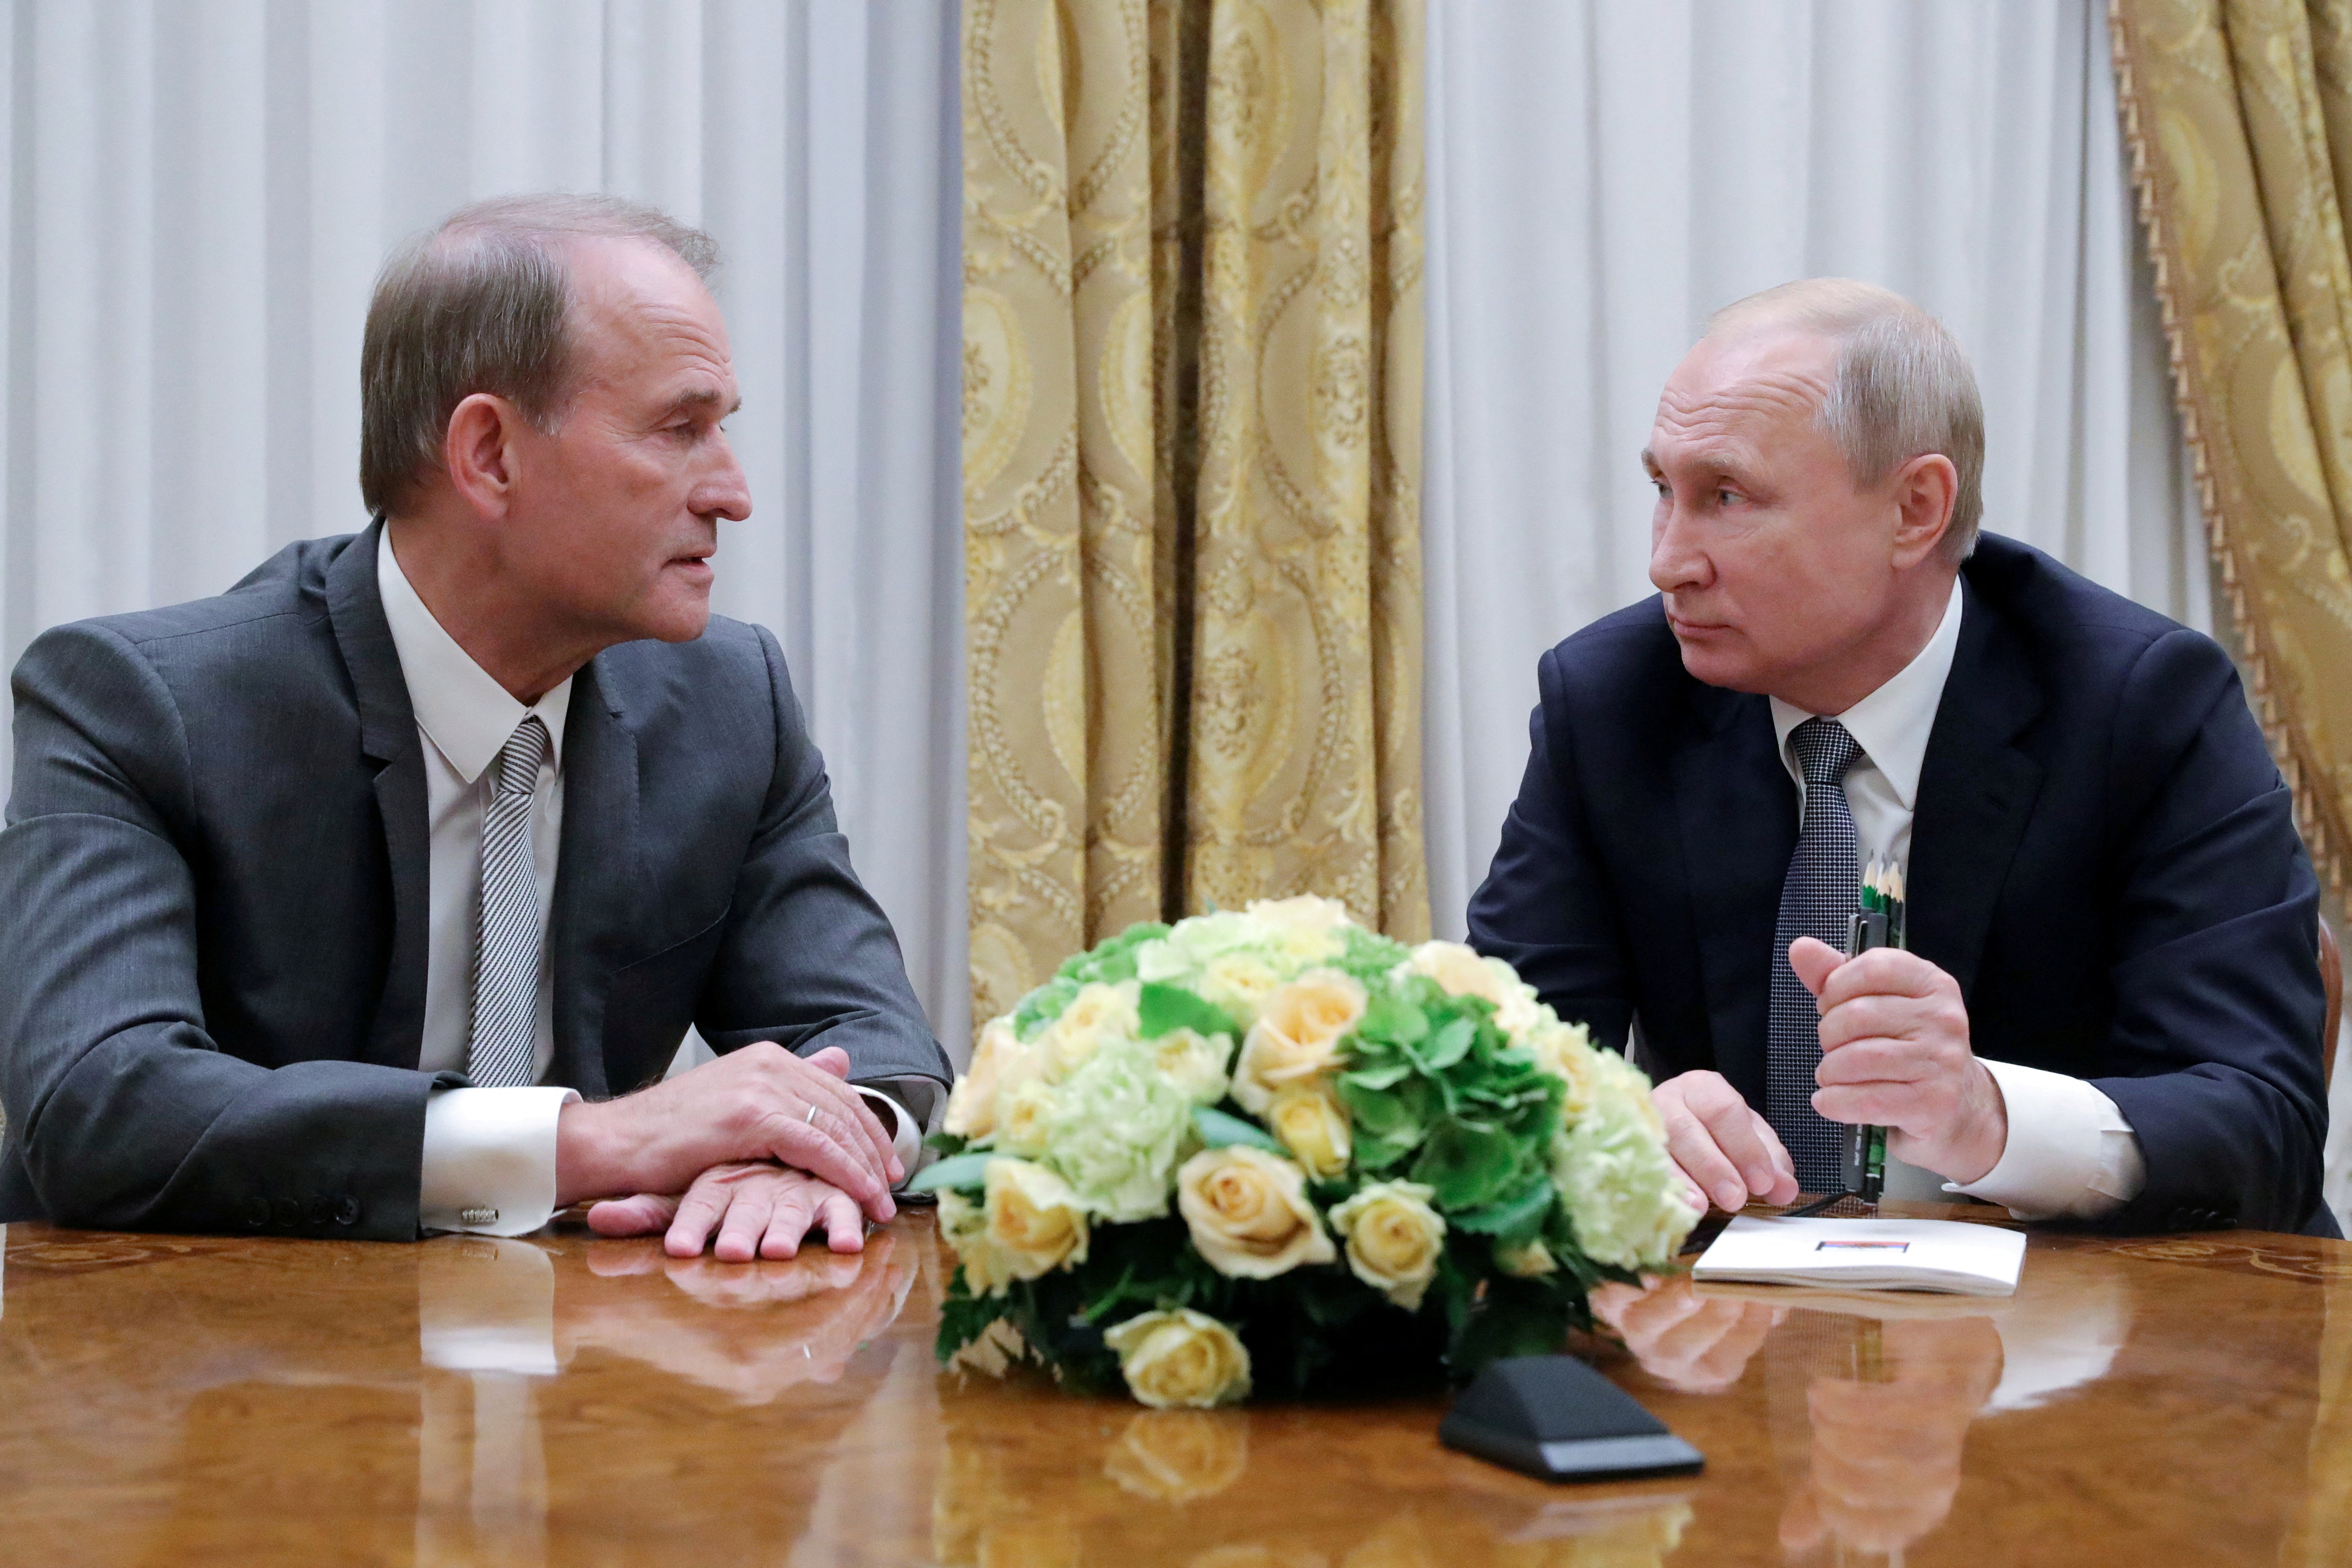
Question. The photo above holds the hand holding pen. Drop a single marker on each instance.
(1895, 1053)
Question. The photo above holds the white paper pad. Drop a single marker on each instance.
(1943, 1255)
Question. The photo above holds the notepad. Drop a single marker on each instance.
(1947, 1256)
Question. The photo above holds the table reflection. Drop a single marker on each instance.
(419, 1386)
(1035, 1476)
(1871, 1396)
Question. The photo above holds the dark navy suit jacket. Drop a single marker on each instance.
(213, 902)
(2103, 855)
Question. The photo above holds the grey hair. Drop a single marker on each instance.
(1903, 388)
(482, 303)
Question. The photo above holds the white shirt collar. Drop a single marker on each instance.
(1891, 725)
(462, 710)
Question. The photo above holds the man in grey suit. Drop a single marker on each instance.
(375, 895)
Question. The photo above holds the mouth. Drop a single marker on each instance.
(1684, 626)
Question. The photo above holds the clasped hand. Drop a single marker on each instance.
(1895, 1053)
(759, 1146)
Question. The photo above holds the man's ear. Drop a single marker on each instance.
(1925, 489)
(477, 452)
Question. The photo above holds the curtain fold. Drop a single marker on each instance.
(2239, 117)
(1192, 466)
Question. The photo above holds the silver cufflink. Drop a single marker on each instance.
(479, 1215)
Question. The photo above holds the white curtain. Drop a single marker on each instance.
(199, 194)
(1603, 174)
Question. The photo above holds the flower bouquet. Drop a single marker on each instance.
(1270, 1147)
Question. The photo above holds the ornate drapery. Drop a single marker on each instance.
(2239, 116)
(1192, 466)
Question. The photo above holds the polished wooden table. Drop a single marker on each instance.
(564, 1399)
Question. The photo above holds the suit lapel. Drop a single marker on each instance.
(1738, 809)
(1976, 794)
(586, 926)
(388, 740)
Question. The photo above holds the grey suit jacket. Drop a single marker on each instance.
(213, 902)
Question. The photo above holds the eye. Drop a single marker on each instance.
(1726, 496)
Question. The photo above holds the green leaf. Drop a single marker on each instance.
(954, 1173)
(1449, 1045)
(1401, 1114)
(1165, 1007)
(1469, 1163)
(1387, 1075)
(946, 1143)
(1042, 1006)
(1218, 1129)
(1521, 1209)
(1393, 1020)
(1376, 1154)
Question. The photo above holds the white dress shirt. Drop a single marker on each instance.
(489, 1153)
(2070, 1153)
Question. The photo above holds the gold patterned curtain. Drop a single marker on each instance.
(1191, 445)
(2239, 116)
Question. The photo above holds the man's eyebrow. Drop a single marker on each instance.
(704, 398)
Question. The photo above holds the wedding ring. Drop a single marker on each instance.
(811, 1117)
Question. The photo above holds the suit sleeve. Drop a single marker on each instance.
(2214, 1056)
(808, 958)
(1544, 908)
(125, 1112)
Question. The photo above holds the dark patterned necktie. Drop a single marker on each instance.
(1817, 899)
(507, 932)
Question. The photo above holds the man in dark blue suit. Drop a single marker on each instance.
(2111, 1009)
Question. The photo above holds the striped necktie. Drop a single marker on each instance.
(1817, 899)
(506, 927)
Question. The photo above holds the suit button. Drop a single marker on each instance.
(256, 1213)
(2180, 1219)
(348, 1211)
(322, 1209)
(289, 1212)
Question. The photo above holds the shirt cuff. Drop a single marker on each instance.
(906, 1128)
(2071, 1155)
(490, 1159)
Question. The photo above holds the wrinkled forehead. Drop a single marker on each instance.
(1743, 389)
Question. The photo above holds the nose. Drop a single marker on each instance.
(722, 492)
(1677, 565)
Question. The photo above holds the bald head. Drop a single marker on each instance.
(1902, 386)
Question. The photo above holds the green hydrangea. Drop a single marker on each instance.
(1117, 1126)
(1617, 1181)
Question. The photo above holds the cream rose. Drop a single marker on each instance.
(971, 1105)
(1195, 1064)
(1529, 1262)
(1394, 1238)
(963, 1225)
(1097, 1013)
(1307, 927)
(1025, 1117)
(1308, 1119)
(1181, 1359)
(1249, 1213)
(1297, 1037)
(1459, 971)
(1036, 1222)
(1240, 982)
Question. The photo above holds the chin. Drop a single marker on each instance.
(1721, 667)
(676, 618)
